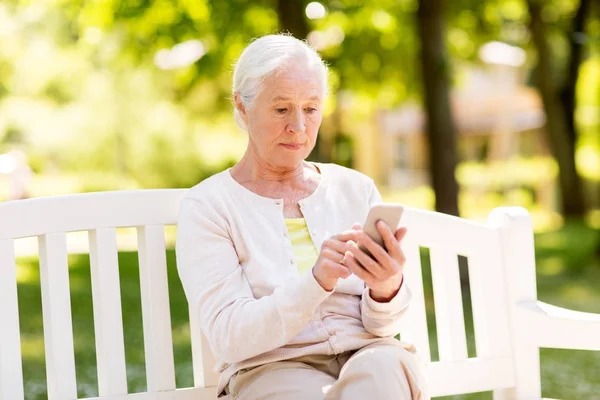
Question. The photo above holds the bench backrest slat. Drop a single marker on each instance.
(414, 326)
(11, 374)
(56, 310)
(108, 319)
(202, 357)
(488, 294)
(450, 322)
(158, 343)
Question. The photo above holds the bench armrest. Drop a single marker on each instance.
(556, 327)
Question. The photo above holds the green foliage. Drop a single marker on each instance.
(80, 86)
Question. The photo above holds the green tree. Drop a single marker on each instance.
(292, 17)
(440, 125)
(560, 116)
(577, 38)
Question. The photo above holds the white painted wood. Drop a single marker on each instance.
(470, 375)
(450, 321)
(56, 310)
(179, 394)
(158, 343)
(414, 327)
(202, 358)
(510, 324)
(11, 372)
(488, 297)
(435, 230)
(208, 360)
(89, 211)
(518, 256)
(108, 320)
(560, 328)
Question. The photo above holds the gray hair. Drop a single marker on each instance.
(263, 57)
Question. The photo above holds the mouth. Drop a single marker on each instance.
(292, 146)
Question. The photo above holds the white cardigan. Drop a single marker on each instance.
(237, 268)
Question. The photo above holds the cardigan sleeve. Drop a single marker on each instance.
(237, 325)
(383, 319)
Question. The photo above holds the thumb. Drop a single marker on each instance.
(356, 226)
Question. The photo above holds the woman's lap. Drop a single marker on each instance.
(383, 370)
(281, 380)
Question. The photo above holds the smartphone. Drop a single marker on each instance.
(388, 213)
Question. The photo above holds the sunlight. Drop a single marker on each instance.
(181, 334)
(550, 266)
(32, 346)
(577, 292)
(315, 10)
(593, 219)
(181, 55)
(27, 272)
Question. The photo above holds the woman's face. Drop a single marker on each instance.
(285, 118)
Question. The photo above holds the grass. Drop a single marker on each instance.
(568, 275)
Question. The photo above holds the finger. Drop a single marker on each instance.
(337, 269)
(392, 245)
(345, 272)
(346, 235)
(356, 227)
(332, 255)
(365, 260)
(335, 245)
(400, 233)
(357, 269)
(389, 240)
(378, 252)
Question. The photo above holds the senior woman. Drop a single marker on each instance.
(268, 257)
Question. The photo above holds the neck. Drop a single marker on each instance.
(252, 168)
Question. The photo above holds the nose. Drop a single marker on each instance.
(296, 123)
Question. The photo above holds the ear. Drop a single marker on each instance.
(239, 105)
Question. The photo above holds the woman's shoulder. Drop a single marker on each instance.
(209, 190)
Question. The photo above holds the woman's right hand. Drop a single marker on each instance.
(329, 266)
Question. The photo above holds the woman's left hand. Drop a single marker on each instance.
(383, 272)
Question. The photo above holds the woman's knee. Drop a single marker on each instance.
(385, 370)
(382, 359)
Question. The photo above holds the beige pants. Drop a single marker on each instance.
(380, 371)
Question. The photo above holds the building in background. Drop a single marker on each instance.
(493, 125)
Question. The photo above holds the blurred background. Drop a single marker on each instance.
(458, 106)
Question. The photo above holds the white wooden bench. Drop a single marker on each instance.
(510, 324)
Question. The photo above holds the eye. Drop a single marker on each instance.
(310, 110)
(280, 110)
